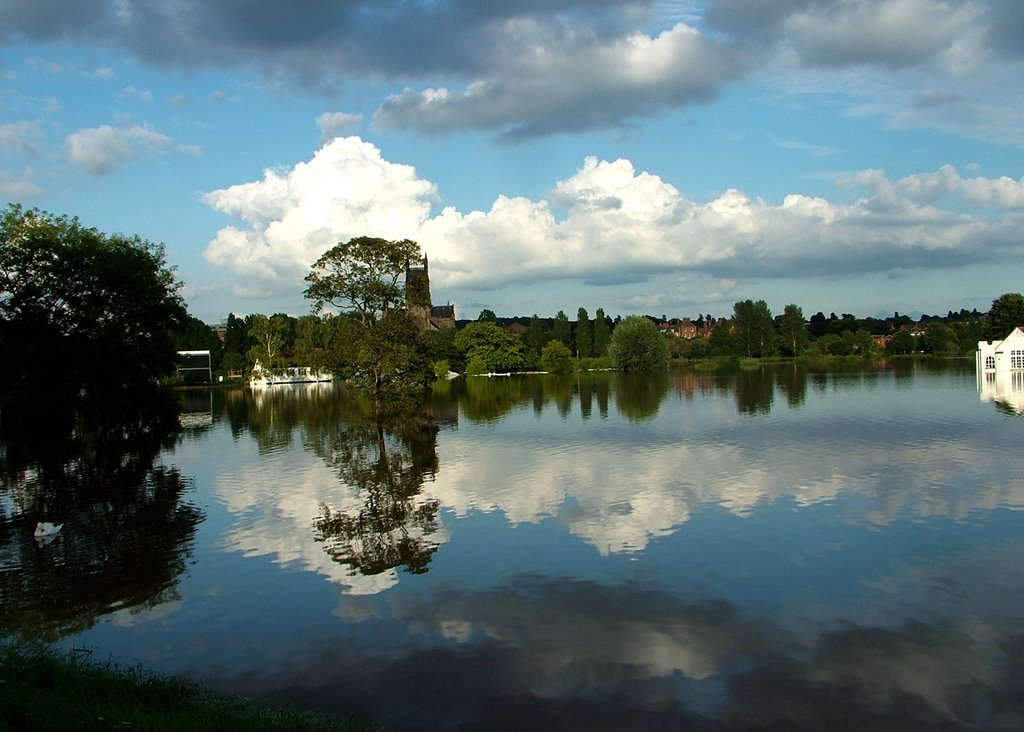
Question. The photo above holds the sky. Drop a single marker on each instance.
(649, 157)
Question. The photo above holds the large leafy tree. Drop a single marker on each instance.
(754, 328)
(489, 347)
(377, 346)
(792, 330)
(270, 338)
(1006, 314)
(537, 335)
(87, 318)
(556, 358)
(362, 276)
(66, 280)
(638, 345)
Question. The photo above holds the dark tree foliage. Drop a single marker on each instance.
(754, 328)
(195, 335)
(584, 334)
(87, 318)
(602, 333)
(1007, 313)
(489, 347)
(901, 343)
(362, 276)
(561, 330)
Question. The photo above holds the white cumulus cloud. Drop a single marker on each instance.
(101, 150)
(291, 217)
(608, 223)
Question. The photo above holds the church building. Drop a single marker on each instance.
(417, 300)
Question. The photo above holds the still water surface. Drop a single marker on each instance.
(719, 551)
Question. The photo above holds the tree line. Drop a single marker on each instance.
(494, 344)
(93, 320)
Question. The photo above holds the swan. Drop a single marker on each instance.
(45, 529)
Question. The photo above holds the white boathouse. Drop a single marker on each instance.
(1000, 370)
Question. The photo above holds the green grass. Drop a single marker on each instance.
(42, 689)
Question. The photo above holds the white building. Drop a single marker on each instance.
(262, 378)
(1000, 370)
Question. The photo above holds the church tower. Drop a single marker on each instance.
(417, 293)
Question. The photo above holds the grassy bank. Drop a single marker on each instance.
(41, 689)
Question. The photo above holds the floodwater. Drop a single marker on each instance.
(774, 548)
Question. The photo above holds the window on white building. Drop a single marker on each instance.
(1017, 359)
(990, 362)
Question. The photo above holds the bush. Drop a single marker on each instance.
(556, 358)
(637, 345)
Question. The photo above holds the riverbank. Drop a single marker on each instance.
(42, 689)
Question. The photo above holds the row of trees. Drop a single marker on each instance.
(108, 310)
(492, 344)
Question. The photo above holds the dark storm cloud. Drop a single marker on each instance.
(526, 69)
(45, 20)
(760, 21)
(892, 34)
(1007, 27)
(575, 84)
(311, 39)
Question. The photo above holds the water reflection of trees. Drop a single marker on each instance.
(388, 463)
(639, 396)
(127, 530)
(385, 459)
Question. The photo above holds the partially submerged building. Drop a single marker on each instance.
(1000, 370)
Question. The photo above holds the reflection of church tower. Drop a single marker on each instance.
(417, 300)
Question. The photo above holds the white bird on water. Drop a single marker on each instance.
(45, 529)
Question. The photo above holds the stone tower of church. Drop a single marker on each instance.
(417, 300)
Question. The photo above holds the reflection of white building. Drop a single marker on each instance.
(1000, 370)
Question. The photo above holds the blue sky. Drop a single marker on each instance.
(860, 156)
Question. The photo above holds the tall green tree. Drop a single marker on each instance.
(792, 330)
(754, 328)
(195, 335)
(312, 336)
(602, 333)
(381, 351)
(584, 334)
(536, 335)
(1007, 313)
(362, 276)
(85, 321)
(561, 330)
(270, 336)
(638, 345)
(901, 343)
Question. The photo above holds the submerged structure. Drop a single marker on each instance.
(1000, 370)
